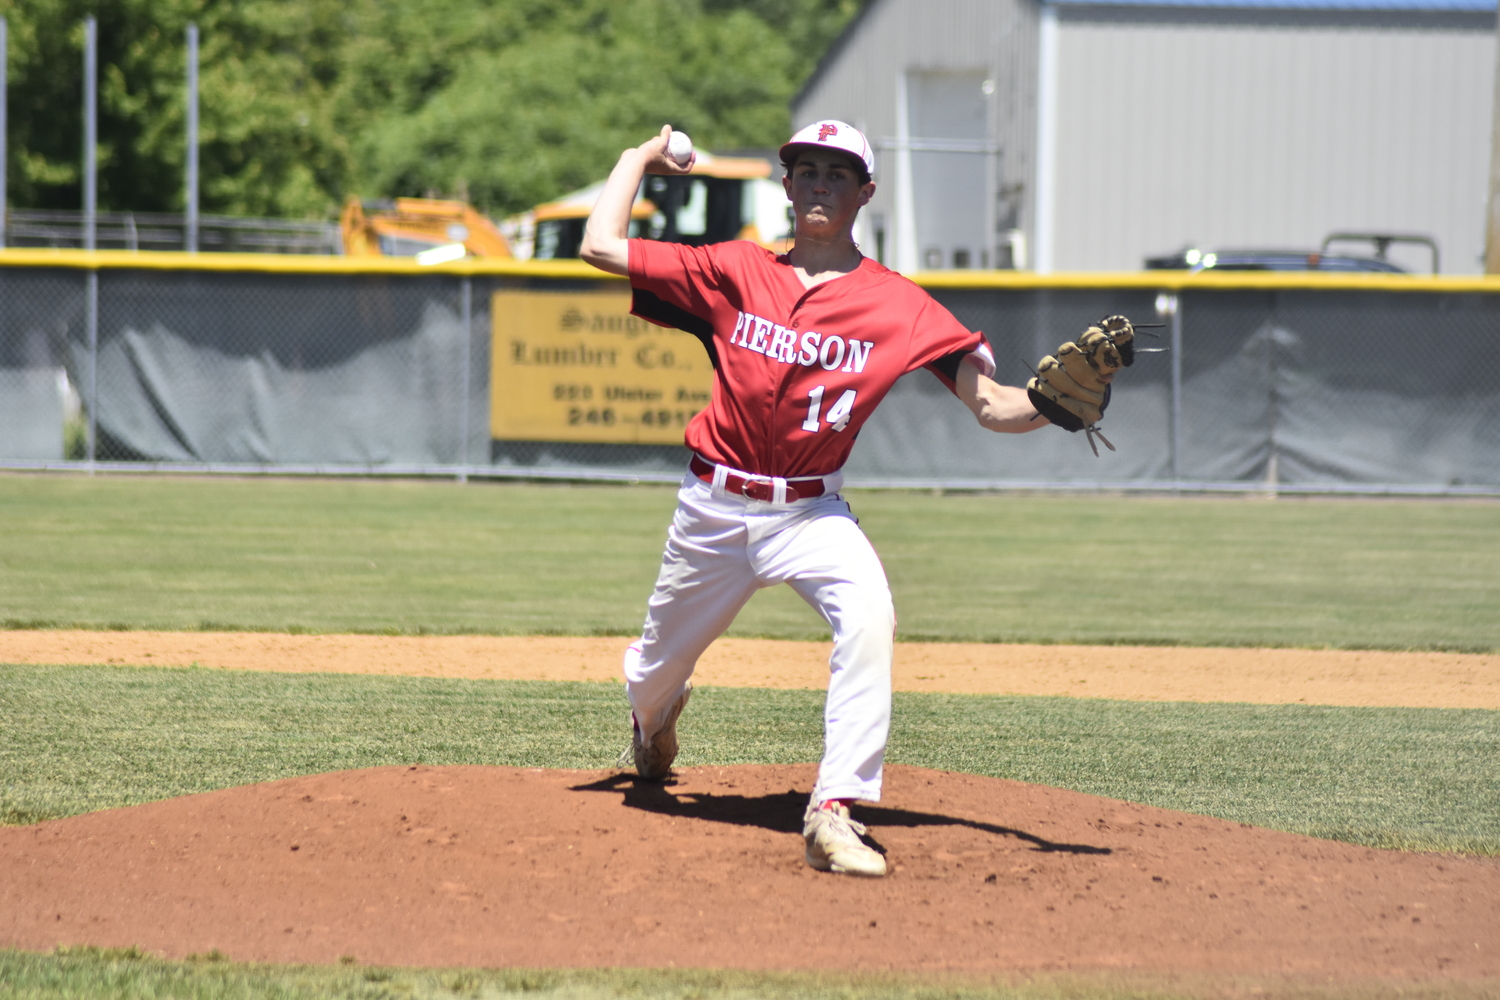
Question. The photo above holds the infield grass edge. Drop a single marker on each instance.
(87, 972)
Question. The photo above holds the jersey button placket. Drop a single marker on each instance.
(777, 445)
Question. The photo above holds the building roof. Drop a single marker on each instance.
(1393, 5)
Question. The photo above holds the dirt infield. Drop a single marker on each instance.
(489, 866)
(1138, 673)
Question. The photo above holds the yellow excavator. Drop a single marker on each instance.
(724, 198)
(406, 227)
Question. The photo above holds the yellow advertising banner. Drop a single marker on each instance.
(576, 366)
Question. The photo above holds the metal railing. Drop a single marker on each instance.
(136, 231)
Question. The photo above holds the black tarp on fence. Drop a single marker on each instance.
(1392, 383)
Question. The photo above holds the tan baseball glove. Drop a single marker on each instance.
(1072, 389)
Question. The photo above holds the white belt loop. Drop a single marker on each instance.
(721, 476)
(778, 489)
(833, 482)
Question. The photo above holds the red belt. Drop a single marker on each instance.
(758, 489)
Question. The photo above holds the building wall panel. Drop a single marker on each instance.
(1258, 129)
(858, 83)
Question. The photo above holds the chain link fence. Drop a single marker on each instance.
(67, 228)
(1360, 389)
(1390, 387)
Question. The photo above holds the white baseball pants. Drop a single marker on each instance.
(721, 548)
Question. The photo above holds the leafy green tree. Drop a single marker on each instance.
(504, 102)
(517, 126)
(265, 142)
(518, 102)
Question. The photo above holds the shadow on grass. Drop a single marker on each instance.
(782, 812)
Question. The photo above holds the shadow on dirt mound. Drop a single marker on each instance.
(781, 812)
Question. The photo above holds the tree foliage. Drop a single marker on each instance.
(302, 102)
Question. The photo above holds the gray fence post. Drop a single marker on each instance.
(467, 295)
(1176, 388)
(92, 386)
(1169, 307)
(1273, 457)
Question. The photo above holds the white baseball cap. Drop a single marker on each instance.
(836, 134)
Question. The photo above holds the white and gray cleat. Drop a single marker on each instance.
(833, 843)
(654, 762)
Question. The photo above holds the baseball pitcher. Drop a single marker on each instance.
(804, 346)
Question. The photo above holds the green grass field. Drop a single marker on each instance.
(125, 974)
(413, 557)
(84, 738)
(424, 557)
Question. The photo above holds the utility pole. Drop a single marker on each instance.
(90, 212)
(190, 240)
(1492, 222)
(4, 125)
(90, 130)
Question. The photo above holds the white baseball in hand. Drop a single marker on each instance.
(679, 148)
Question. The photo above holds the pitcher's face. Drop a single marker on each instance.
(826, 193)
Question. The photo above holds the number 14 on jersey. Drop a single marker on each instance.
(838, 414)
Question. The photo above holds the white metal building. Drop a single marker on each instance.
(1067, 135)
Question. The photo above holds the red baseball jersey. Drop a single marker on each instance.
(797, 371)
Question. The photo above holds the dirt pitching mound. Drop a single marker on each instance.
(489, 866)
